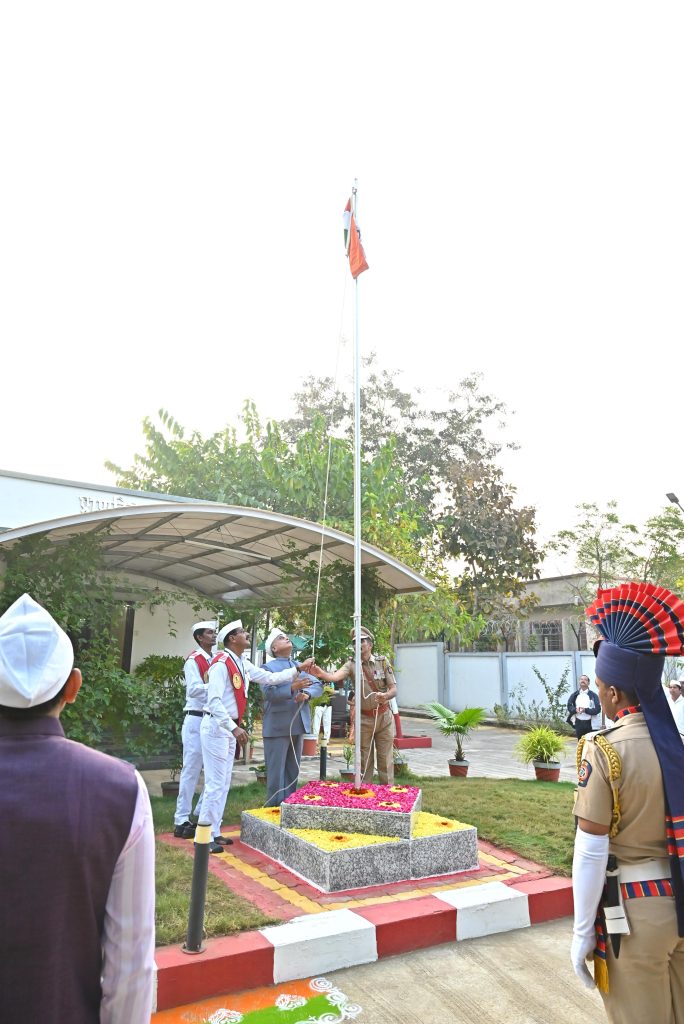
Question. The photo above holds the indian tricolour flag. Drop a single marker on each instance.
(352, 243)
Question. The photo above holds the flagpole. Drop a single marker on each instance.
(358, 677)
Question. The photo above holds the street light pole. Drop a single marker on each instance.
(674, 499)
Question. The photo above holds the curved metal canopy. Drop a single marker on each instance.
(226, 552)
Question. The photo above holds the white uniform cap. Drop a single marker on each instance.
(204, 625)
(273, 635)
(36, 656)
(228, 628)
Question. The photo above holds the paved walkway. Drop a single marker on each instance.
(489, 750)
(521, 977)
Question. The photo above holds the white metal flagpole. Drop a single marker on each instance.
(358, 677)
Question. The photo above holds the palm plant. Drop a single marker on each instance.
(458, 724)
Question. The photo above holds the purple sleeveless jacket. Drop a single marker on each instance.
(65, 814)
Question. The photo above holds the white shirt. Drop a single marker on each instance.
(195, 687)
(677, 709)
(221, 701)
(128, 969)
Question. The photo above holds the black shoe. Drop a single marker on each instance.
(179, 830)
(215, 848)
(189, 831)
(222, 841)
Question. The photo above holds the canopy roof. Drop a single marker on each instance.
(226, 552)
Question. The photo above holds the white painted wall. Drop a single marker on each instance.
(473, 681)
(151, 631)
(419, 670)
(26, 500)
(520, 673)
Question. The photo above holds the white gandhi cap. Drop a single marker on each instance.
(36, 656)
(228, 628)
(273, 635)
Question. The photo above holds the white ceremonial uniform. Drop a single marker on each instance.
(195, 700)
(322, 713)
(216, 731)
(677, 709)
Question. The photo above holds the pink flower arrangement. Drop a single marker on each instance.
(382, 798)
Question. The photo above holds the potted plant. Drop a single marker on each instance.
(259, 771)
(541, 746)
(458, 725)
(347, 773)
(400, 762)
(169, 787)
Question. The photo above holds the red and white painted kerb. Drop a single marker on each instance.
(318, 943)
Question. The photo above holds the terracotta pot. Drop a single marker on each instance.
(347, 774)
(169, 788)
(261, 777)
(309, 747)
(458, 769)
(547, 771)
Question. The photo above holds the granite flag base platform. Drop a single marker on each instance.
(347, 846)
(327, 930)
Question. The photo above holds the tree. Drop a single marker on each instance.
(494, 539)
(416, 464)
(610, 551)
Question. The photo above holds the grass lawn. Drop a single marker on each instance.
(532, 818)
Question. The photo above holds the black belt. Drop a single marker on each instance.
(196, 714)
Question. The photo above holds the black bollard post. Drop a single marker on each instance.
(198, 893)
(324, 760)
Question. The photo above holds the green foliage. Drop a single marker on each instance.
(158, 706)
(348, 755)
(458, 724)
(610, 551)
(494, 539)
(555, 696)
(69, 581)
(540, 744)
(427, 476)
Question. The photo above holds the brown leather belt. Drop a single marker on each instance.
(374, 714)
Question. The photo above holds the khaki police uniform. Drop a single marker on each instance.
(620, 785)
(377, 724)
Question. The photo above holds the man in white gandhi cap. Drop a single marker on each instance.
(230, 675)
(77, 857)
(196, 672)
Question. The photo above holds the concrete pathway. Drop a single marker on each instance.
(521, 977)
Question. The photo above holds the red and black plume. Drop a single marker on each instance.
(640, 617)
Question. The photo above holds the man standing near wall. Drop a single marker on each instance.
(77, 913)
(196, 672)
(583, 703)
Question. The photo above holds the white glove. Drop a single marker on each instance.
(588, 878)
(579, 951)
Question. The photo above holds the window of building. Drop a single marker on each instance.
(546, 636)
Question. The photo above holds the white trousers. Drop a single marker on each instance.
(190, 773)
(322, 712)
(218, 751)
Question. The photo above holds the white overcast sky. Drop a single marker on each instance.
(171, 188)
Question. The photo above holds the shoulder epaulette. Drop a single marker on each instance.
(614, 766)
